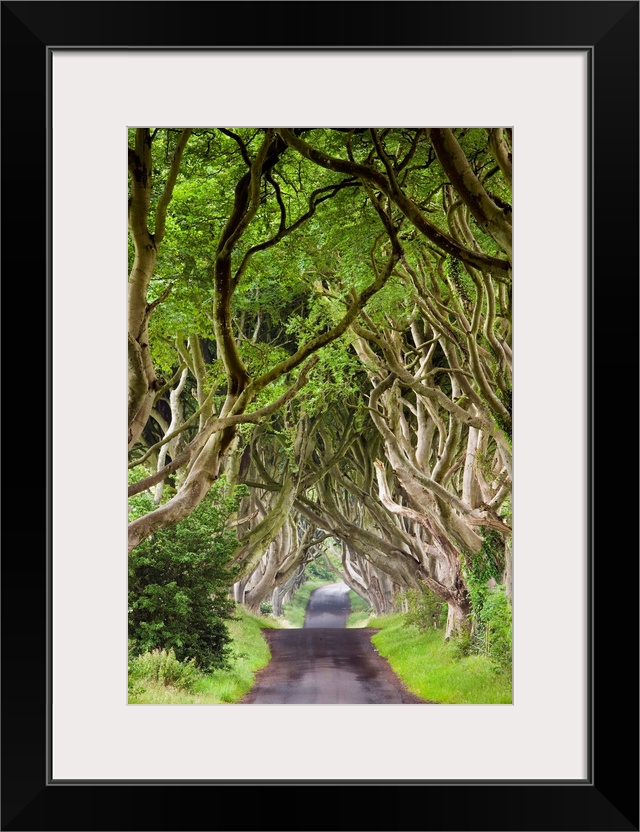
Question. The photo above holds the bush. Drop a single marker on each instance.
(179, 583)
(492, 628)
(266, 607)
(162, 667)
(317, 570)
(496, 618)
(492, 634)
(426, 610)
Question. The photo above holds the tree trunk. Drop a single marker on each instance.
(458, 619)
(508, 571)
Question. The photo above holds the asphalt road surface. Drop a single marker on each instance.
(325, 663)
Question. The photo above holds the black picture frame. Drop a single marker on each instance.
(608, 798)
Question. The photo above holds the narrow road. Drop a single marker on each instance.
(325, 663)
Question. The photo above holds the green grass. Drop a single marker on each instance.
(430, 667)
(294, 611)
(361, 612)
(251, 653)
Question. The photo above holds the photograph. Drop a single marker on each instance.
(319, 415)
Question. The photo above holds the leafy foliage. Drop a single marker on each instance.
(492, 632)
(425, 610)
(178, 584)
(163, 668)
(482, 567)
(496, 617)
(318, 570)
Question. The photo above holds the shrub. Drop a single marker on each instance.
(317, 570)
(496, 619)
(492, 628)
(179, 583)
(266, 607)
(162, 667)
(492, 633)
(426, 610)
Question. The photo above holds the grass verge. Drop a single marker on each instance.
(294, 611)
(432, 669)
(361, 612)
(250, 654)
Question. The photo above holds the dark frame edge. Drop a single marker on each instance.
(49, 438)
(618, 820)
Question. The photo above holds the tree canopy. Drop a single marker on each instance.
(324, 316)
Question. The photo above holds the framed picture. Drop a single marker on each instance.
(565, 76)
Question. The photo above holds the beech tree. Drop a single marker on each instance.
(203, 456)
(324, 315)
